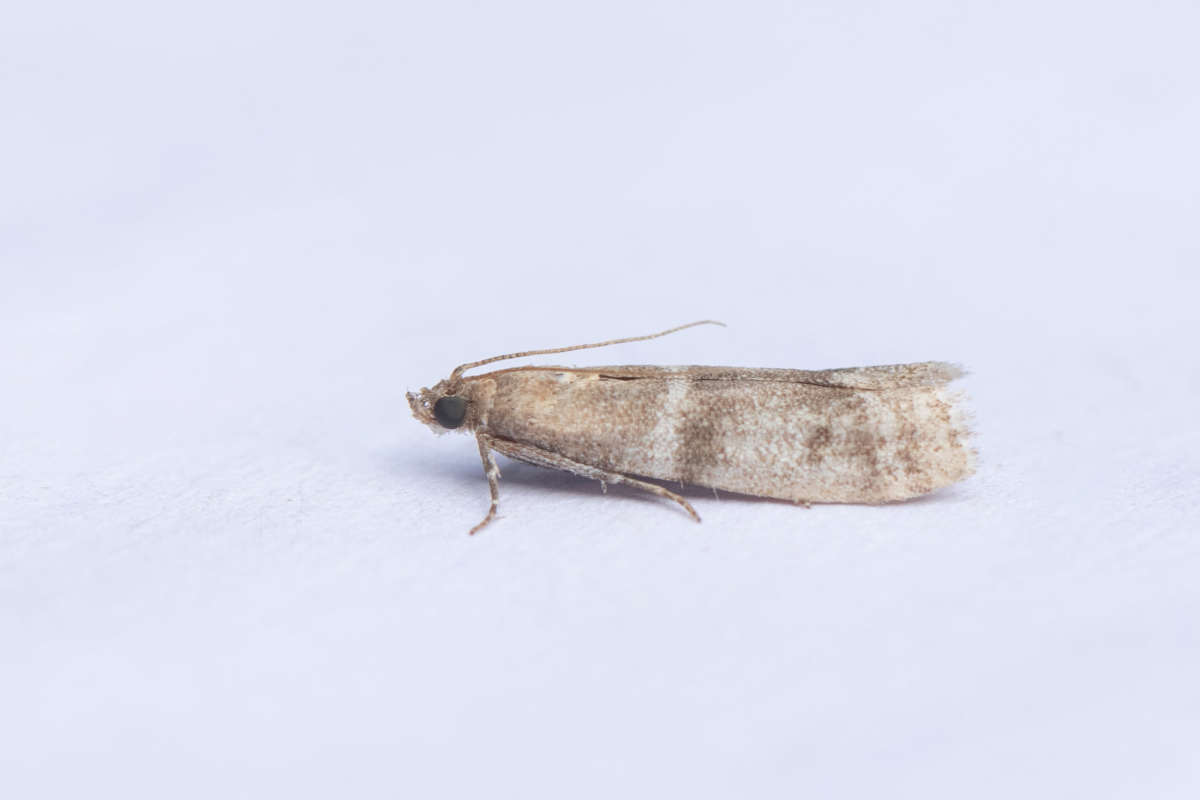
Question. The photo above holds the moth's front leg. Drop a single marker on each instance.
(493, 477)
(545, 458)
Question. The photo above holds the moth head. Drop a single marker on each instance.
(448, 406)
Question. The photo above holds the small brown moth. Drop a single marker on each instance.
(856, 435)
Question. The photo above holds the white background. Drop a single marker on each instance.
(233, 234)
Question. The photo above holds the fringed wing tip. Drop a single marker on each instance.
(947, 371)
(890, 376)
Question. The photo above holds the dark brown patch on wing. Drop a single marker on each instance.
(708, 415)
(817, 443)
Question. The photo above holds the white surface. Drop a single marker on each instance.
(232, 237)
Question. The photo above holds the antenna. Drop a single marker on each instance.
(459, 370)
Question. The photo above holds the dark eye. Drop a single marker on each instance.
(450, 411)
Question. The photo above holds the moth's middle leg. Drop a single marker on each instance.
(545, 458)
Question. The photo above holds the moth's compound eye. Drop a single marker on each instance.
(450, 411)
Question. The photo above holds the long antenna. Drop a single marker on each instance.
(459, 370)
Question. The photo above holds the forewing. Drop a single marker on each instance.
(887, 376)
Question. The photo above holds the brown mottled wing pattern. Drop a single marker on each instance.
(868, 434)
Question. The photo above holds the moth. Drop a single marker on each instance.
(856, 435)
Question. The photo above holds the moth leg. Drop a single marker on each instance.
(545, 458)
(493, 478)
